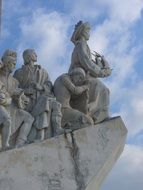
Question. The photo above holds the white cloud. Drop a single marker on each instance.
(131, 108)
(84, 9)
(114, 39)
(128, 171)
(47, 33)
(125, 10)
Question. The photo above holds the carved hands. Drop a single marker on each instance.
(23, 101)
(81, 89)
(105, 72)
(20, 99)
(36, 86)
(32, 88)
(4, 101)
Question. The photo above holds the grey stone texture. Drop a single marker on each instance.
(37, 109)
(65, 86)
(5, 120)
(97, 67)
(79, 160)
(35, 82)
(21, 121)
(82, 142)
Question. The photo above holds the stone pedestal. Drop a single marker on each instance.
(75, 161)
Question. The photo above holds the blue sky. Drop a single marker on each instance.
(117, 33)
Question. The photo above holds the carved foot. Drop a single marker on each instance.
(6, 148)
(20, 142)
(59, 132)
(100, 116)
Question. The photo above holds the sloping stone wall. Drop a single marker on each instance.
(76, 161)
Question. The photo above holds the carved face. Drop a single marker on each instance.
(9, 63)
(33, 56)
(77, 78)
(86, 33)
(29, 55)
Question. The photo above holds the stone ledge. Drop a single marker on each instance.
(76, 161)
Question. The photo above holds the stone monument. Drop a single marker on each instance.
(57, 136)
(21, 121)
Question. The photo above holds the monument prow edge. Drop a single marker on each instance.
(78, 160)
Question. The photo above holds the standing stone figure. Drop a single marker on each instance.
(65, 86)
(5, 120)
(38, 88)
(21, 121)
(81, 57)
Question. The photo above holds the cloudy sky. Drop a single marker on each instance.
(117, 33)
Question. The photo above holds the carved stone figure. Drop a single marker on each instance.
(81, 57)
(38, 87)
(5, 120)
(21, 121)
(64, 87)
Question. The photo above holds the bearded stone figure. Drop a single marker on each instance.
(19, 121)
(98, 94)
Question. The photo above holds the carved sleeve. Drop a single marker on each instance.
(85, 59)
(18, 75)
(71, 87)
(4, 101)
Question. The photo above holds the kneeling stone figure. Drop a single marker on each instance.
(64, 87)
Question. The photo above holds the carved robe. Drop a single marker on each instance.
(18, 115)
(98, 92)
(39, 103)
(64, 89)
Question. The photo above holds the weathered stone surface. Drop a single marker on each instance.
(75, 161)
(66, 86)
(15, 122)
(97, 96)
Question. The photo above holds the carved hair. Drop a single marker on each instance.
(27, 55)
(78, 31)
(9, 53)
(8, 56)
(77, 70)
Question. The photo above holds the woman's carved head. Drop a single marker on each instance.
(81, 31)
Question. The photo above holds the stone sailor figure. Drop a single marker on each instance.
(21, 121)
(65, 86)
(5, 120)
(43, 106)
(98, 104)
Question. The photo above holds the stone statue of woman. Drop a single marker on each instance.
(98, 104)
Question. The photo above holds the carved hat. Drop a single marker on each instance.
(79, 27)
(77, 70)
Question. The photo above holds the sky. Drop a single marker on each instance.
(116, 33)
